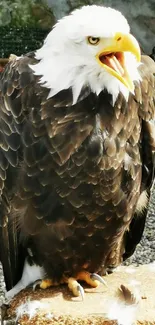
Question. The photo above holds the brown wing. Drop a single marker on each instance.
(27, 118)
(145, 97)
(14, 80)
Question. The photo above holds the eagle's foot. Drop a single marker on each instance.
(92, 279)
(75, 287)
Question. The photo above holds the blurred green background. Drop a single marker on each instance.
(25, 23)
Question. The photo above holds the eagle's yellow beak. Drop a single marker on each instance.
(112, 57)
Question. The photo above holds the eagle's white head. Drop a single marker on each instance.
(90, 47)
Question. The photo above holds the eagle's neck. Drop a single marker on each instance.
(62, 70)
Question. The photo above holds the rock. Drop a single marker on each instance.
(131, 288)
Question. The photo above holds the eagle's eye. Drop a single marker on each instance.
(93, 40)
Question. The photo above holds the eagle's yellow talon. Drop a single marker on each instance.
(46, 283)
(97, 279)
(43, 284)
(75, 287)
(92, 279)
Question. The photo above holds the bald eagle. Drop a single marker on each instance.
(77, 152)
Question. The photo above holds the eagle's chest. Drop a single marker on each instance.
(97, 193)
(100, 177)
(95, 185)
(90, 198)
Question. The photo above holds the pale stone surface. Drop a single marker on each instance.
(58, 303)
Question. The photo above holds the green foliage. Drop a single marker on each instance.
(21, 13)
(5, 13)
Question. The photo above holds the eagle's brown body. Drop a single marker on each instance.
(71, 176)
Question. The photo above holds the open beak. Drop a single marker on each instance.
(113, 60)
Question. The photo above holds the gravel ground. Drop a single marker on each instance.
(145, 251)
